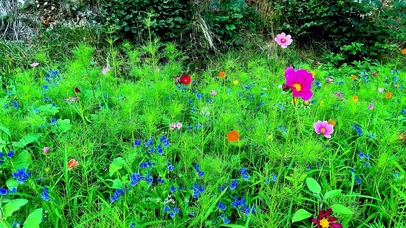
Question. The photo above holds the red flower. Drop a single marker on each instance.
(77, 90)
(325, 221)
(185, 79)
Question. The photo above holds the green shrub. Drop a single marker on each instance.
(142, 19)
(344, 27)
(229, 20)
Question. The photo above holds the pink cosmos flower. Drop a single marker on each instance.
(34, 64)
(46, 150)
(371, 106)
(300, 82)
(283, 40)
(323, 127)
(329, 80)
(179, 125)
(105, 70)
(213, 92)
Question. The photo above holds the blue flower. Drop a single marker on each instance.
(132, 225)
(3, 192)
(53, 121)
(21, 175)
(244, 173)
(360, 154)
(174, 211)
(149, 179)
(246, 209)
(172, 189)
(15, 104)
(135, 178)
(10, 154)
(159, 150)
(366, 164)
(234, 184)
(146, 164)
(44, 194)
(222, 187)
(238, 202)
(166, 208)
(273, 178)
(170, 167)
(1, 154)
(137, 142)
(197, 190)
(403, 111)
(116, 195)
(358, 129)
(160, 180)
(149, 142)
(222, 206)
(358, 180)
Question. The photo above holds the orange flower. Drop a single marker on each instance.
(222, 74)
(72, 164)
(355, 98)
(388, 95)
(233, 136)
(404, 51)
(353, 77)
(331, 122)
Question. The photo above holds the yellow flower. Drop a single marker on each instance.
(355, 98)
(321, 103)
(404, 51)
(313, 73)
(222, 74)
(235, 82)
(295, 101)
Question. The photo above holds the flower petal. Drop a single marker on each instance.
(336, 225)
(314, 220)
(328, 212)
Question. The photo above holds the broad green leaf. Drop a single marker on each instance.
(300, 215)
(11, 183)
(116, 165)
(332, 193)
(5, 130)
(22, 160)
(117, 184)
(313, 185)
(27, 140)
(13, 206)
(341, 209)
(63, 125)
(48, 109)
(34, 219)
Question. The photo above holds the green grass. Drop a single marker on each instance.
(289, 166)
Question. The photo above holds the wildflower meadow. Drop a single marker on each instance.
(135, 137)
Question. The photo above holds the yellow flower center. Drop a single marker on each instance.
(283, 40)
(324, 223)
(298, 87)
(323, 130)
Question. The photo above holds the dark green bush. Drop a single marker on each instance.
(142, 19)
(230, 20)
(344, 27)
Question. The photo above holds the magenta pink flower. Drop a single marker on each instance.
(300, 82)
(34, 64)
(283, 40)
(371, 106)
(323, 127)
